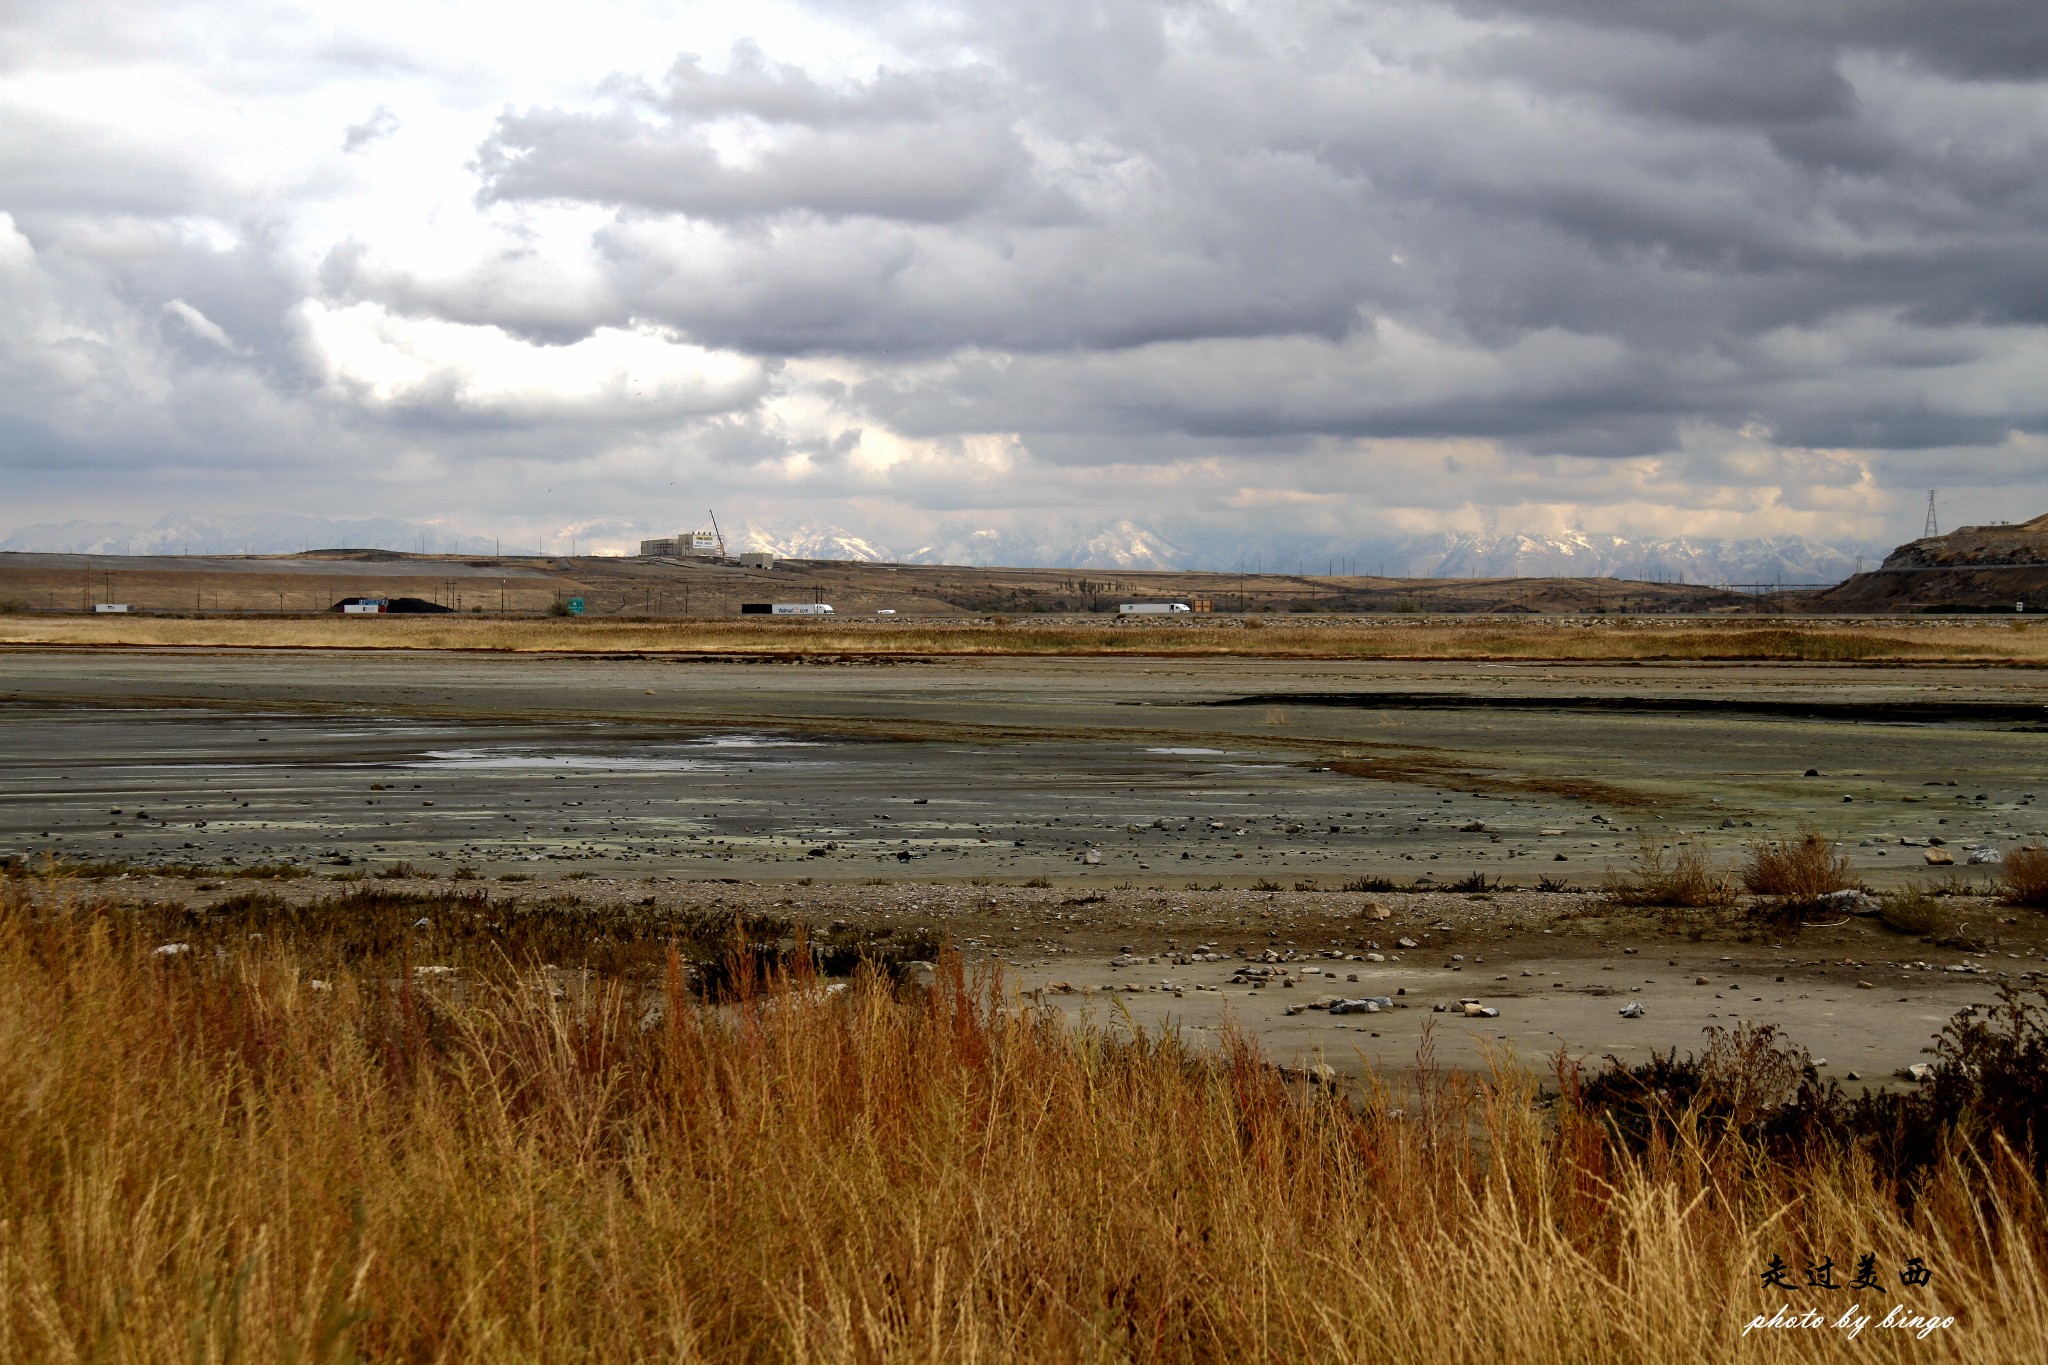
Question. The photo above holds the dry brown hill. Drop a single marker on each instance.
(1973, 568)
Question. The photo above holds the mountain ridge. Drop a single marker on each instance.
(1121, 543)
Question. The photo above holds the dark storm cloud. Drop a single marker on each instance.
(915, 147)
(1973, 39)
(1680, 180)
(1121, 235)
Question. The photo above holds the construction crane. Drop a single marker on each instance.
(719, 534)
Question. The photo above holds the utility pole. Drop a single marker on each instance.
(1932, 528)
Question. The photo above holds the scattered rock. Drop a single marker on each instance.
(1919, 1071)
(1405, 943)
(172, 949)
(1981, 855)
(1700, 981)
(1633, 1010)
(1939, 857)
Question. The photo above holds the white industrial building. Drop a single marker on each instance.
(685, 545)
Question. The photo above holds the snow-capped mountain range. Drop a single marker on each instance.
(1126, 544)
(1117, 544)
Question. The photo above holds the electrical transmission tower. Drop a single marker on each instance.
(1932, 529)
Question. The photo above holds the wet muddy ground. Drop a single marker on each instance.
(1148, 816)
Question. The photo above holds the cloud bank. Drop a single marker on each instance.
(1710, 268)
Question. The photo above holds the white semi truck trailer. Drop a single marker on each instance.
(1152, 608)
(785, 609)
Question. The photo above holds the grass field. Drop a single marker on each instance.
(358, 1136)
(1559, 638)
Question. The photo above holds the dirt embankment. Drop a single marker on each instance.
(1975, 568)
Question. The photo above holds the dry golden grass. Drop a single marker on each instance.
(1801, 868)
(210, 1156)
(1686, 879)
(2023, 879)
(1561, 638)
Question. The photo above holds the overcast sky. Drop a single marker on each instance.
(1720, 267)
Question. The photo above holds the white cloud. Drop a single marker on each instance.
(377, 358)
(200, 325)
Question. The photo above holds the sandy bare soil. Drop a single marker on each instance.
(1558, 968)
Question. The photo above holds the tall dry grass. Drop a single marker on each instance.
(1685, 878)
(1558, 638)
(2023, 880)
(247, 1152)
(1801, 868)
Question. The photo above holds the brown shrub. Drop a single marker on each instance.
(1799, 869)
(1688, 878)
(2023, 877)
(1915, 912)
